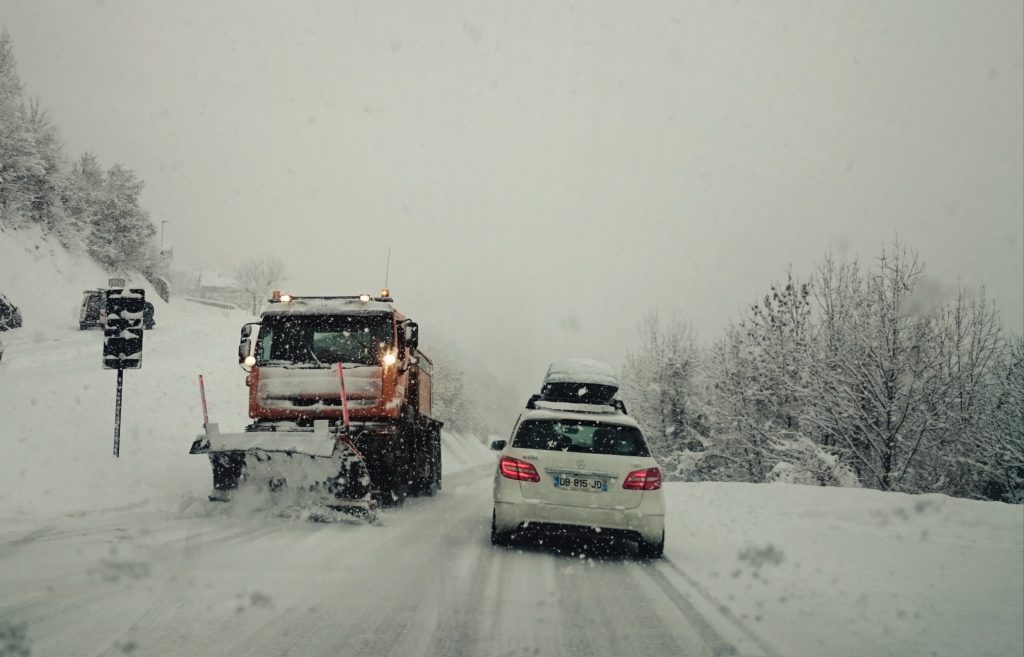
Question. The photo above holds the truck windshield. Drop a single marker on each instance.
(321, 340)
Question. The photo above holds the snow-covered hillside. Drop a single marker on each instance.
(104, 556)
(44, 280)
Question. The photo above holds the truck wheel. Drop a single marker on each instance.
(428, 487)
(437, 461)
(393, 491)
(429, 479)
(227, 470)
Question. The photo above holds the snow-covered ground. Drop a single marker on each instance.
(116, 556)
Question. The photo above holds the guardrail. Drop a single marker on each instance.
(211, 302)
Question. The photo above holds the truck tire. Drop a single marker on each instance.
(437, 461)
(428, 473)
(227, 469)
(428, 485)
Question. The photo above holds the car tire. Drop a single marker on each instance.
(652, 550)
(502, 539)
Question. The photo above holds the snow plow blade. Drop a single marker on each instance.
(319, 442)
(312, 470)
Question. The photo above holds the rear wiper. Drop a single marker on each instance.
(310, 350)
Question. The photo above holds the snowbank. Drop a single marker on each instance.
(461, 452)
(44, 280)
(839, 571)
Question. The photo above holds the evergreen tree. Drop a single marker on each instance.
(120, 228)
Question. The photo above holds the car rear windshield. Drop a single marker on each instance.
(586, 436)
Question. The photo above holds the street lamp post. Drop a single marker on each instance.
(162, 224)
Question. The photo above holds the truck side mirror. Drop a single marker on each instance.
(412, 335)
(246, 346)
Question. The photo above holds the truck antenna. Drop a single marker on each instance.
(387, 269)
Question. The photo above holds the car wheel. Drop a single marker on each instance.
(498, 537)
(652, 550)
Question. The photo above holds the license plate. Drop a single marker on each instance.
(588, 484)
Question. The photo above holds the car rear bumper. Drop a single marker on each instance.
(648, 526)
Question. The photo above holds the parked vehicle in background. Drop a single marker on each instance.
(577, 464)
(92, 314)
(10, 316)
(93, 310)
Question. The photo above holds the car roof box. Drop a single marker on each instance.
(580, 380)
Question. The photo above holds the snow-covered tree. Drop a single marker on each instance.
(881, 396)
(83, 190)
(972, 349)
(660, 385)
(16, 144)
(120, 229)
(44, 179)
(1000, 445)
(257, 276)
(740, 448)
(762, 377)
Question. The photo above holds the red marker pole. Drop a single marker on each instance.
(344, 396)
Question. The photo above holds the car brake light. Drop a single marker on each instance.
(649, 479)
(515, 469)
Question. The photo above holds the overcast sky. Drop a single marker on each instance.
(546, 173)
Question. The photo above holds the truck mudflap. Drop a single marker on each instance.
(313, 470)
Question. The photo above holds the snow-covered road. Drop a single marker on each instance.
(424, 581)
(104, 556)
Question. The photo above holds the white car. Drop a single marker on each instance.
(579, 468)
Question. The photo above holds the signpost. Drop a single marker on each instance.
(122, 341)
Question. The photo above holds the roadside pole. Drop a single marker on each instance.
(123, 327)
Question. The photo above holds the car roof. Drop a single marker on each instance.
(586, 413)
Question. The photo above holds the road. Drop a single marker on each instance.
(103, 556)
(423, 581)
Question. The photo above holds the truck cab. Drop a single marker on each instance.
(355, 362)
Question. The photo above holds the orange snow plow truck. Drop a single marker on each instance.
(339, 395)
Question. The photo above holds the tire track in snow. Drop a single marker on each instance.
(171, 598)
(460, 593)
(360, 604)
(767, 648)
(27, 539)
(612, 613)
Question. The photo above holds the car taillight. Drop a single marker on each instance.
(649, 479)
(515, 469)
